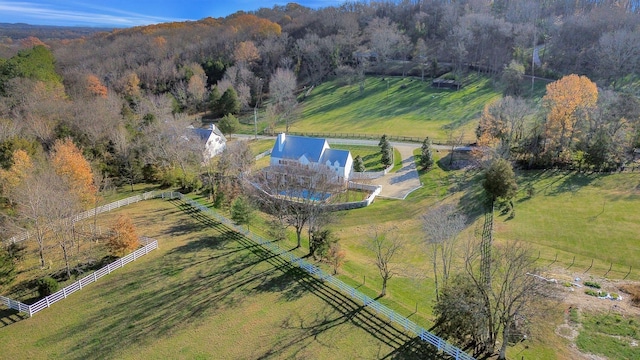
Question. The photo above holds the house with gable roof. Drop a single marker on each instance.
(215, 141)
(308, 151)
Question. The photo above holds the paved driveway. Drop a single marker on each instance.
(401, 183)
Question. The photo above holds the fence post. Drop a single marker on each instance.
(64, 292)
(47, 298)
(79, 284)
(589, 268)
(610, 266)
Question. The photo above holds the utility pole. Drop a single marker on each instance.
(255, 109)
(255, 121)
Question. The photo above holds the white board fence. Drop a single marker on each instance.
(425, 335)
(408, 325)
(80, 284)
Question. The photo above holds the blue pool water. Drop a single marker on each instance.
(304, 194)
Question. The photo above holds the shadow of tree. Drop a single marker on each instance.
(217, 272)
(10, 317)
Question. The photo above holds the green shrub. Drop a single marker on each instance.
(47, 286)
(592, 284)
(595, 293)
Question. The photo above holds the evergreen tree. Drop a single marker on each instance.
(500, 181)
(229, 102)
(241, 211)
(214, 101)
(358, 164)
(385, 150)
(228, 124)
(426, 158)
(383, 141)
(387, 157)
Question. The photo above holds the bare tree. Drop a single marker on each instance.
(441, 226)
(385, 38)
(175, 144)
(225, 171)
(282, 90)
(34, 198)
(384, 247)
(483, 314)
(503, 125)
(296, 194)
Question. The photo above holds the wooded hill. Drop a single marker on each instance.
(119, 94)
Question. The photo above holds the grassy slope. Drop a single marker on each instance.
(586, 216)
(204, 294)
(415, 110)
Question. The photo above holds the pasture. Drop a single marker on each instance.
(205, 293)
(398, 106)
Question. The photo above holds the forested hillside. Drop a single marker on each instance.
(125, 96)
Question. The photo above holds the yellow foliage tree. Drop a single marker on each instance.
(564, 101)
(71, 165)
(21, 168)
(124, 236)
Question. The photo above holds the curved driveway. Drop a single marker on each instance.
(401, 183)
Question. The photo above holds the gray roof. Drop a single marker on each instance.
(205, 133)
(296, 146)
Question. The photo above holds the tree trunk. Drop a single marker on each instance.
(435, 273)
(63, 245)
(299, 236)
(41, 253)
(384, 286)
(505, 343)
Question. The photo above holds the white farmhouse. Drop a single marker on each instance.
(215, 142)
(312, 152)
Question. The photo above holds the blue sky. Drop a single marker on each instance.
(126, 13)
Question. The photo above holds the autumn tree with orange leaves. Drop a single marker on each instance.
(124, 237)
(567, 103)
(70, 164)
(246, 52)
(95, 86)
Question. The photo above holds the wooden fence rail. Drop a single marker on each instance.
(80, 284)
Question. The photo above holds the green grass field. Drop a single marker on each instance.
(609, 335)
(203, 294)
(207, 293)
(399, 106)
(586, 216)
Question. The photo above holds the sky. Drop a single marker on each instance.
(127, 13)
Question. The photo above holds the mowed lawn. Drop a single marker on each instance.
(207, 293)
(398, 106)
(587, 216)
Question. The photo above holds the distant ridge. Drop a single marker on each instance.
(20, 31)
